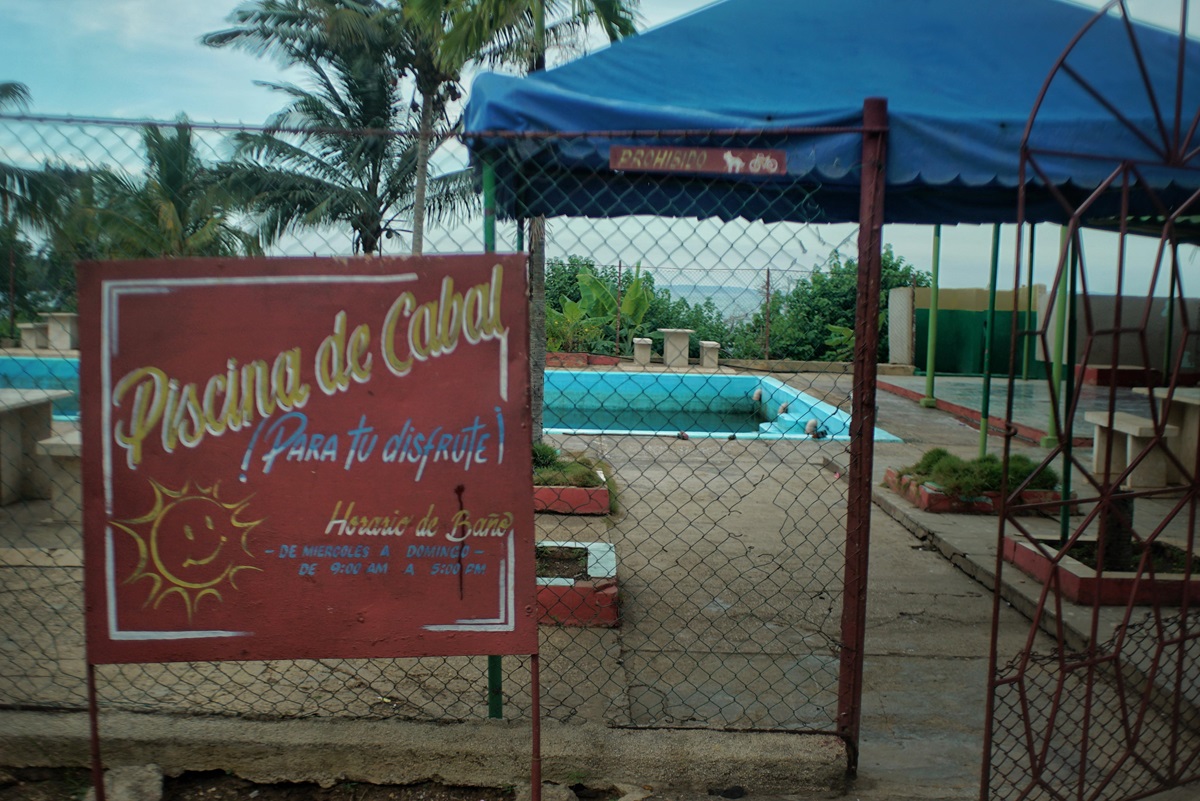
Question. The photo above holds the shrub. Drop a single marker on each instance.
(544, 455)
(969, 479)
(956, 477)
(1021, 467)
(928, 461)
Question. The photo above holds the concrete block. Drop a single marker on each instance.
(641, 351)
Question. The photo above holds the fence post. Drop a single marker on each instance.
(862, 425)
(495, 670)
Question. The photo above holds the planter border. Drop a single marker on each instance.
(572, 360)
(581, 602)
(569, 500)
(928, 498)
(1080, 583)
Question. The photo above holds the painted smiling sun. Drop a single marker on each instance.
(190, 545)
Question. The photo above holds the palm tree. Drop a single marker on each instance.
(179, 209)
(343, 152)
(14, 94)
(16, 186)
(516, 31)
(444, 36)
(519, 31)
(22, 192)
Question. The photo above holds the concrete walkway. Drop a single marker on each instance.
(929, 617)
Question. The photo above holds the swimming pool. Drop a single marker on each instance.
(591, 402)
(32, 372)
(699, 404)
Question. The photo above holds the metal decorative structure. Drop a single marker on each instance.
(1099, 700)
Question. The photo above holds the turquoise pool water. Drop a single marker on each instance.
(28, 372)
(699, 404)
(592, 402)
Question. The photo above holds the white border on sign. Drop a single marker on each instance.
(111, 294)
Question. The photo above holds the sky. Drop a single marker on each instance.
(141, 59)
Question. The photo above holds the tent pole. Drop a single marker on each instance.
(929, 401)
(862, 426)
(989, 326)
(1056, 356)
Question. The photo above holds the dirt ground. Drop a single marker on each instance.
(60, 784)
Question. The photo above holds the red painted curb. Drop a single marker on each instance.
(571, 500)
(588, 602)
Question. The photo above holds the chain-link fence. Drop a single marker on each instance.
(706, 591)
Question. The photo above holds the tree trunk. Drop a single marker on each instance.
(1116, 532)
(537, 263)
(537, 322)
(424, 135)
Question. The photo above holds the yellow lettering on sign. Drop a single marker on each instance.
(434, 326)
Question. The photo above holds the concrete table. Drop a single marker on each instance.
(24, 422)
(1183, 411)
(675, 346)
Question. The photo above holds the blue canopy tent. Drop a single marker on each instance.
(960, 80)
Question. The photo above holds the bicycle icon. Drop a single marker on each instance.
(763, 162)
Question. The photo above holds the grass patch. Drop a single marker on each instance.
(575, 473)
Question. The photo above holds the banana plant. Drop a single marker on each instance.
(571, 330)
(625, 318)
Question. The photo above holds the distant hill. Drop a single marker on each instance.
(732, 300)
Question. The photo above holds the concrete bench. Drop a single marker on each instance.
(1130, 435)
(59, 457)
(62, 330)
(709, 354)
(641, 351)
(34, 336)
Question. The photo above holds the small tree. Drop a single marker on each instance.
(806, 320)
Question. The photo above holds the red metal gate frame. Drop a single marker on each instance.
(1099, 661)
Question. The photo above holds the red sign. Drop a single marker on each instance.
(306, 458)
(713, 160)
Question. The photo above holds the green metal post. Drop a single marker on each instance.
(1056, 357)
(1028, 340)
(1167, 360)
(989, 327)
(489, 207)
(495, 669)
(929, 401)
